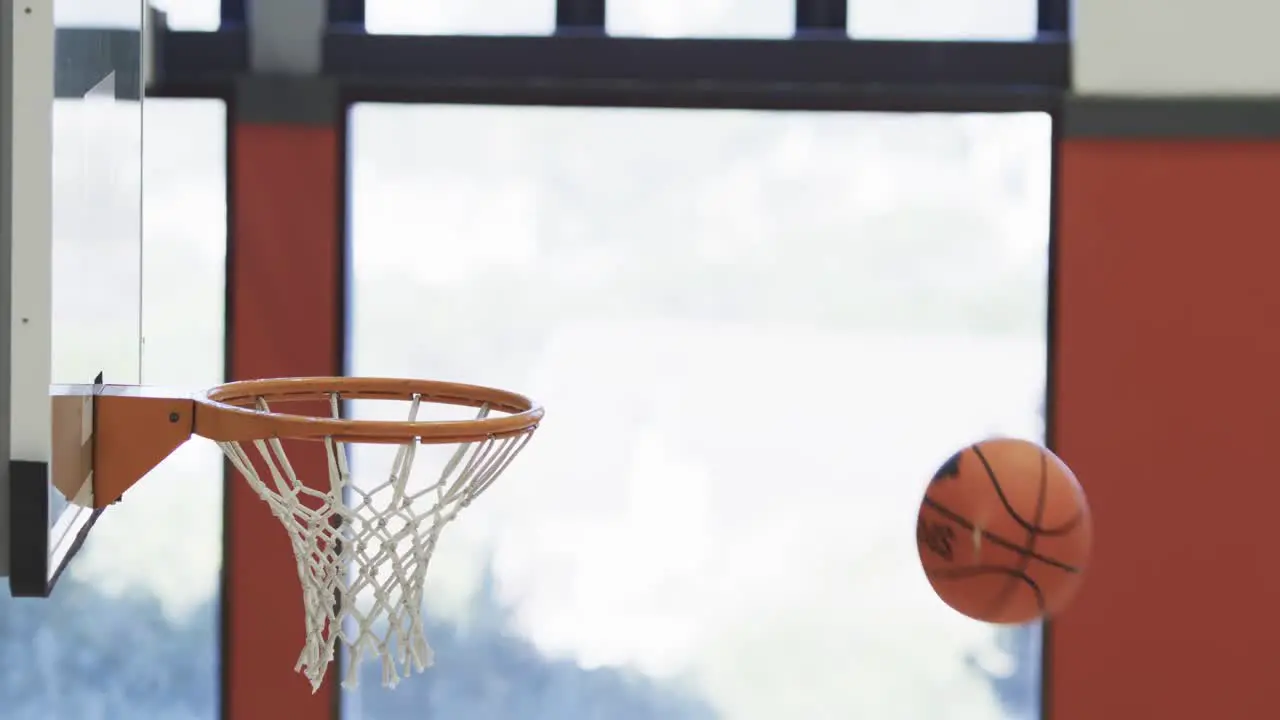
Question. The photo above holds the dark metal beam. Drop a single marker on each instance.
(403, 59)
(852, 99)
(792, 74)
(199, 64)
(804, 73)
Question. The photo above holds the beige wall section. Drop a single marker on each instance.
(286, 37)
(1191, 48)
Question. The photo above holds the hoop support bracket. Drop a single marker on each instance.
(106, 438)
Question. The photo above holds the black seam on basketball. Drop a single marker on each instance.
(994, 539)
(1025, 560)
(1002, 598)
(1063, 529)
(968, 572)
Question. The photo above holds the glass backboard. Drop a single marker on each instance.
(74, 232)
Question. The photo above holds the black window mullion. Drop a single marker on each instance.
(822, 17)
(580, 16)
(1054, 16)
(234, 13)
(346, 12)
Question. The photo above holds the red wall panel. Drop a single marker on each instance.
(285, 301)
(1167, 404)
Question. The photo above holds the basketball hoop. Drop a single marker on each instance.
(362, 551)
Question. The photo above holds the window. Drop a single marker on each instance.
(134, 620)
(180, 14)
(756, 334)
(461, 17)
(190, 14)
(88, 13)
(868, 19)
(943, 19)
(701, 18)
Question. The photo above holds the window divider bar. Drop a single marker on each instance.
(579, 17)
(346, 12)
(232, 13)
(823, 17)
(1053, 16)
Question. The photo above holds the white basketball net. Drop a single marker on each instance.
(371, 544)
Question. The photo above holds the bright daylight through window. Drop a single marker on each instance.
(759, 334)
(919, 19)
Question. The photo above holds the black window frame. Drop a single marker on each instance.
(820, 67)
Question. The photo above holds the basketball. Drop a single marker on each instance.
(1004, 532)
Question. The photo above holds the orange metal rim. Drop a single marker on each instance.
(227, 412)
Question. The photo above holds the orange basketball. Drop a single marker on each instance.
(1004, 532)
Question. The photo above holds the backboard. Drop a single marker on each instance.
(70, 250)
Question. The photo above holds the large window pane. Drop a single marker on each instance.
(756, 335)
(461, 17)
(190, 14)
(943, 19)
(915, 19)
(131, 631)
(180, 14)
(107, 13)
(701, 18)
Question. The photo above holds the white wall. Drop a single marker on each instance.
(1177, 47)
